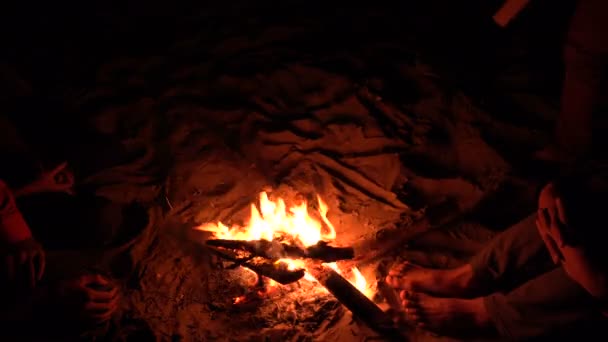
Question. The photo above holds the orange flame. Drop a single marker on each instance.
(275, 221)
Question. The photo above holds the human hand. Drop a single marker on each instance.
(26, 255)
(573, 258)
(59, 179)
(92, 297)
(550, 222)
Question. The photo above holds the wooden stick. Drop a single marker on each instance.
(361, 307)
(262, 266)
(509, 10)
(275, 250)
(371, 251)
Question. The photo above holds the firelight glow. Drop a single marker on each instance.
(274, 221)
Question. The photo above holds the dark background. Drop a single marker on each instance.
(64, 41)
(56, 48)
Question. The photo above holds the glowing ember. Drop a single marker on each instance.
(294, 225)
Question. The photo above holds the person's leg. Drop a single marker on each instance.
(544, 305)
(513, 256)
(550, 302)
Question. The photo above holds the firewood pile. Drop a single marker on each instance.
(264, 258)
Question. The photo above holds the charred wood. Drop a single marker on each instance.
(277, 271)
(275, 250)
(361, 307)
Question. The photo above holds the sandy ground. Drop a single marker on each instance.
(365, 122)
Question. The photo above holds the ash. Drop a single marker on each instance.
(301, 307)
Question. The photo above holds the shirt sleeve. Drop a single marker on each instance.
(13, 227)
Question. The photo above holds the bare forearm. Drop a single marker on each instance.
(26, 190)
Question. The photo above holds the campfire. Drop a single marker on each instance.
(282, 243)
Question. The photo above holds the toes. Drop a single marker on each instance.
(414, 316)
(412, 312)
(417, 319)
(401, 268)
(398, 276)
(409, 296)
(400, 317)
(396, 270)
(398, 282)
(409, 304)
(393, 280)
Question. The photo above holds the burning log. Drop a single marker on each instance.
(355, 301)
(276, 271)
(275, 250)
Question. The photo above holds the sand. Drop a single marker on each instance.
(368, 124)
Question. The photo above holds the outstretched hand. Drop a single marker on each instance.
(26, 257)
(92, 297)
(59, 179)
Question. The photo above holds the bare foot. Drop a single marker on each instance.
(456, 282)
(447, 316)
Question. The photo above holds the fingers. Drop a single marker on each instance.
(59, 168)
(552, 224)
(549, 243)
(41, 265)
(101, 296)
(561, 212)
(100, 313)
(10, 267)
(32, 272)
(67, 182)
(26, 262)
(561, 223)
(102, 304)
(94, 279)
(544, 219)
(100, 280)
(23, 256)
(101, 317)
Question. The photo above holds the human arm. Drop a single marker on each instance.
(60, 179)
(21, 248)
